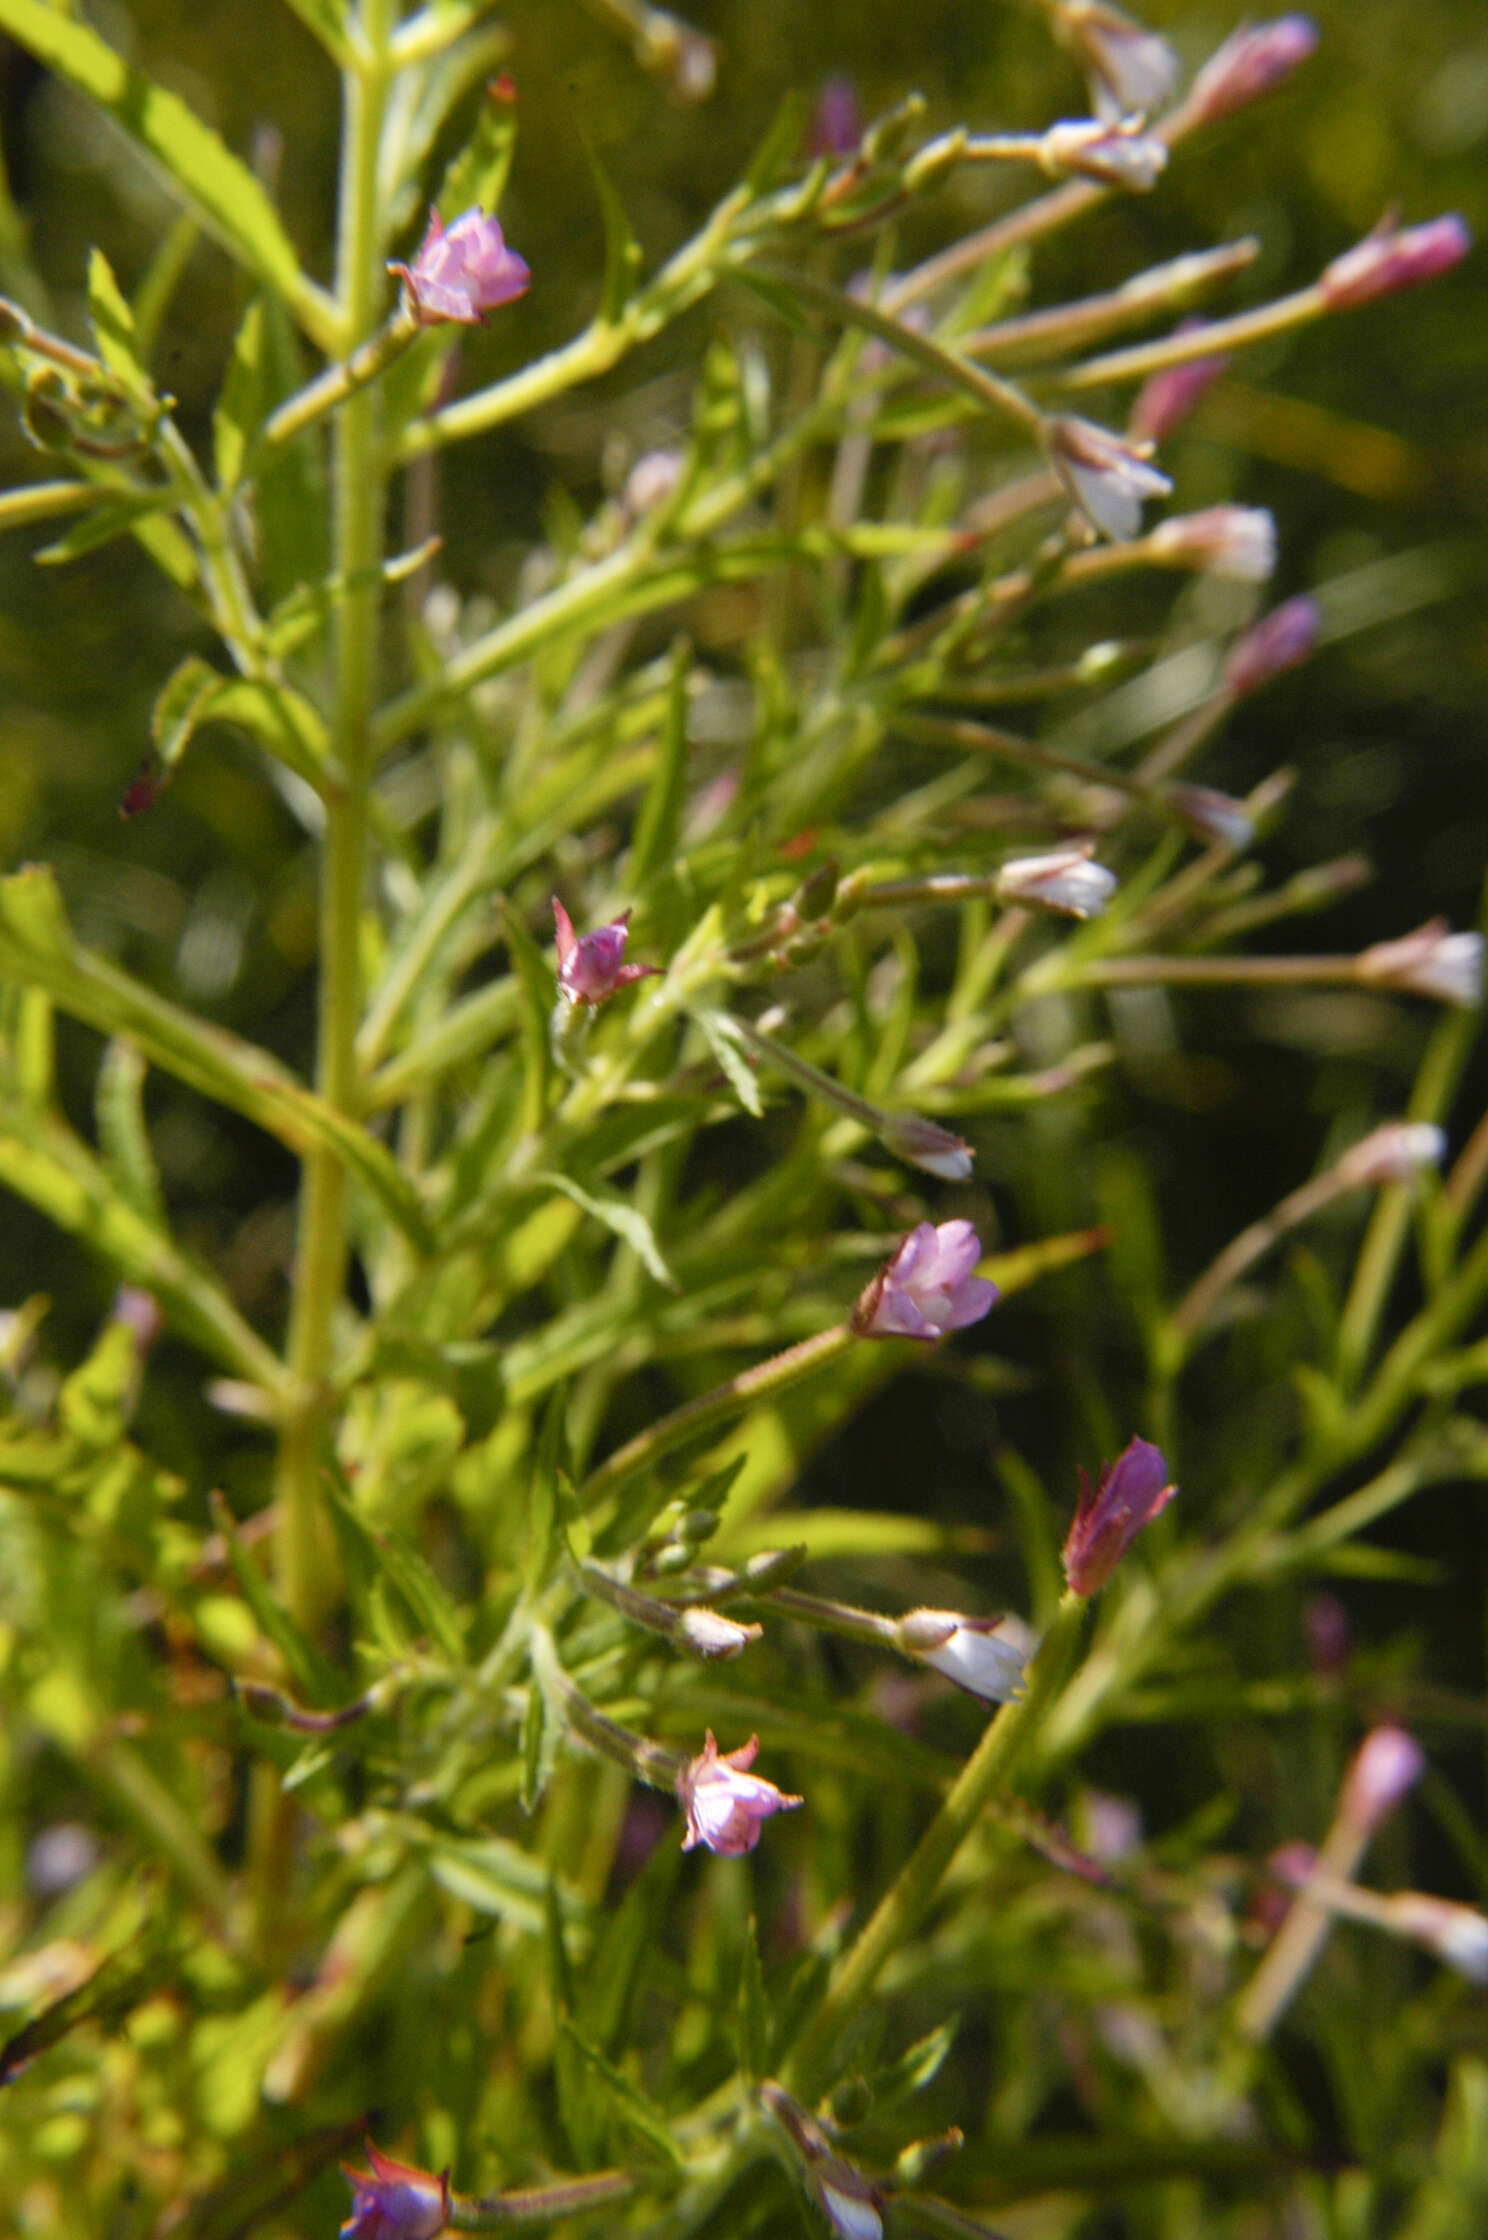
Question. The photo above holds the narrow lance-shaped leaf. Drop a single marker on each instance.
(37, 950)
(222, 190)
(657, 826)
(622, 250)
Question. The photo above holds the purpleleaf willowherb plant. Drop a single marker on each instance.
(354, 1819)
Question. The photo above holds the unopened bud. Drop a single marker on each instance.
(773, 1567)
(1396, 1152)
(1455, 1933)
(1235, 542)
(1388, 260)
(1114, 154)
(1429, 962)
(1213, 817)
(1132, 71)
(698, 1526)
(1386, 1766)
(1254, 59)
(1281, 640)
(925, 1145)
(1066, 881)
(708, 1634)
(1166, 399)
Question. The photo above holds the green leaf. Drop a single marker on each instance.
(498, 1878)
(111, 518)
(778, 150)
(123, 1139)
(731, 1059)
(221, 190)
(655, 841)
(325, 20)
(539, 994)
(915, 2067)
(540, 1739)
(754, 2012)
(404, 1568)
(313, 1677)
(477, 176)
(622, 250)
(43, 1162)
(626, 2100)
(628, 1938)
(113, 331)
(242, 405)
(279, 719)
(95, 1402)
(544, 1526)
(622, 1220)
(37, 950)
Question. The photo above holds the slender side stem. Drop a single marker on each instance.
(1294, 1949)
(903, 1908)
(537, 2205)
(1252, 1244)
(1389, 1226)
(713, 1408)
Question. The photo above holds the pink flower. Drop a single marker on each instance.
(1252, 60)
(725, 1802)
(1131, 1492)
(1388, 260)
(1281, 640)
(462, 274)
(928, 1287)
(1107, 477)
(393, 2201)
(590, 967)
(837, 123)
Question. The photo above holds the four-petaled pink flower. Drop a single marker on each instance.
(393, 2201)
(928, 1287)
(725, 1802)
(1131, 1492)
(1107, 477)
(591, 967)
(462, 272)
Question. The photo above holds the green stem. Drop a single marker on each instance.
(902, 1910)
(535, 2205)
(714, 1408)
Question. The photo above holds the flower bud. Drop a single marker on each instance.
(1066, 881)
(1389, 260)
(1386, 1766)
(1455, 1933)
(837, 121)
(708, 1634)
(926, 1145)
(1235, 542)
(1252, 60)
(1429, 962)
(1166, 399)
(1213, 817)
(1396, 1152)
(1130, 1492)
(1281, 640)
